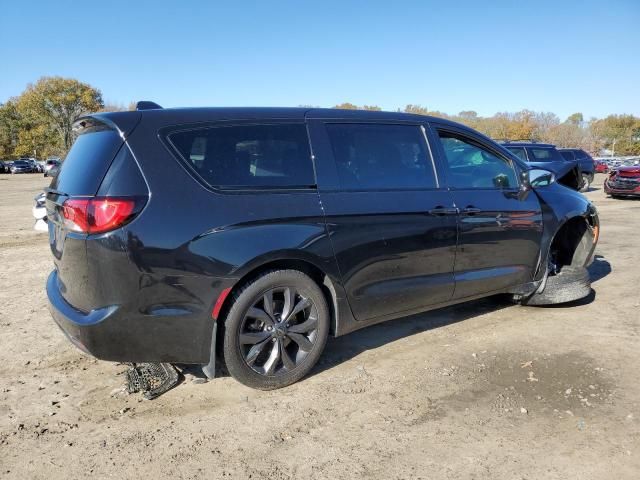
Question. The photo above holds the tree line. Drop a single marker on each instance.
(39, 122)
(619, 134)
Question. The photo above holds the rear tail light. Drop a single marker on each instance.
(99, 214)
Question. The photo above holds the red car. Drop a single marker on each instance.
(601, 166)
(623, 182)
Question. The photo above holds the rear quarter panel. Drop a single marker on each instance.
(191, 242)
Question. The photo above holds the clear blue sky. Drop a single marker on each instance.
(488, 56)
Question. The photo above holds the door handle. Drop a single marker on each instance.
(471, 210)
(441, 211)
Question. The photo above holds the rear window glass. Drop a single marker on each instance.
(381, 156)
(87, 162)
(544, 155)
(248, 156)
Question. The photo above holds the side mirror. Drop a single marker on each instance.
(537, 177)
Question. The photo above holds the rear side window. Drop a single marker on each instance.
(248, 156)
(87, 162)
(581, 154)
(373, 157)
(518, 152)
(567, 154)
(545, 155)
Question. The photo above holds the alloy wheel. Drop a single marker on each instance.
(278, 331)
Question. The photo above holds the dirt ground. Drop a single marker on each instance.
(481, 390)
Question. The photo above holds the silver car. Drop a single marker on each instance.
(51, 167)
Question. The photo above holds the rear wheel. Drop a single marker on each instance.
(586, 183)
(275, 330)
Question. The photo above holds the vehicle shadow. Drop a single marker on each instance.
(342, 349)
(599, 269)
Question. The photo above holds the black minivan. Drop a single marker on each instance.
(255, 233)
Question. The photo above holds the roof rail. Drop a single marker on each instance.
(517, 140)
(147, 105)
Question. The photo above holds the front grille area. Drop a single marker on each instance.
(625, 183)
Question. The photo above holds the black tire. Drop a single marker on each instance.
(568, 285)
(586, 183)
(237, 354)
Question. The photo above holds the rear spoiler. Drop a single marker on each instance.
(147, 105)
(122, 122)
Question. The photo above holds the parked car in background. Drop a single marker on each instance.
(623, 182)
(51, 167)
(5, 167)
(614, 163)
(601, 166)
(22, 166)
(545, 155)
(35, 168)
(39, 212)
(274, 248)
(586, 162)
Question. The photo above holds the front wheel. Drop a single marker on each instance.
(276, 329)
(567, 285)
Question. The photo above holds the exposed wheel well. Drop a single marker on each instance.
(321, 278)
(571, 244)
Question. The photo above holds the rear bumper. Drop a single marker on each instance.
(115, 334)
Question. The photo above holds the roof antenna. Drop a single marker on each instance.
(147, 105)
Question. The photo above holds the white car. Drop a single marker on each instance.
(39, 211)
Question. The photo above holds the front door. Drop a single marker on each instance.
(500, 226)
(392, 227)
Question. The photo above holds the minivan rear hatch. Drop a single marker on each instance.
(79, 180)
